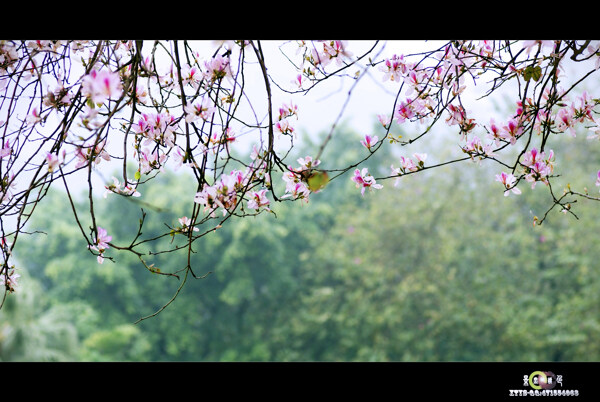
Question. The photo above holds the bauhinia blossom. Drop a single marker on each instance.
(288, 110)
(85, 154)
(364, 180)
(117, 187)
(9, 280)
(394, 68)
(53, 162)
(508, 180)
(101, 243)
(258, 199)
(295, 188)
(34, 117)
(284, 127)
(102, 85)
(369, 141)
(475, 148)
(223, 194)
(308, 163)
(6, 150)
(538, 166)
(217, 68)
(202, 109)
(408, 165)
(186, 224)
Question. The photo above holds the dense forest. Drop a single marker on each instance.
(440, 267)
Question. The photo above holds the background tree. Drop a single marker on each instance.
(456, 276)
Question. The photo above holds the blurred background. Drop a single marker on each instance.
(440, 268)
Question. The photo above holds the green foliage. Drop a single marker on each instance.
(33, 330)
(125, 340)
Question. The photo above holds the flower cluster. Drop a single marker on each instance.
(295, 179)
(508, 132)
(91, 153)
(408, 165)
(116, 187)
(223, 194)
(538, 167)
(334, 50)
(477, 150)
(217, 68)
(156, 128)
(283, 125)
(394, 68)
(457, 115)
(189, 111)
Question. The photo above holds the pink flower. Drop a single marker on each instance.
(494, 131)
(258, 199)
(186, 223)
(404, 111)
(192, 76)
(508, 180)
(6, 150)
(150, 160)
(393, 68)
(9, 280)
(528, 45)
(103, 238)
(308, 163)
(474, 148)
(457, 115)
(369, 141)
(364, 180)
(538, 166)
(383, 119)
(128, 190)
(97, 153)
(287, 111)
(421, 158)
(34, 117)
(413, 80)
(511, 131)
(208, 197)
(297, 190)
(298, 81)
(101, 243)
(53, 161)
(334, 50)
(102, 85)
(217, 68)
(565, 119)
(203, 109)
(283, 126)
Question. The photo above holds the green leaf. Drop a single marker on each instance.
(317, 181)
(137, 175)
(534, 72)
